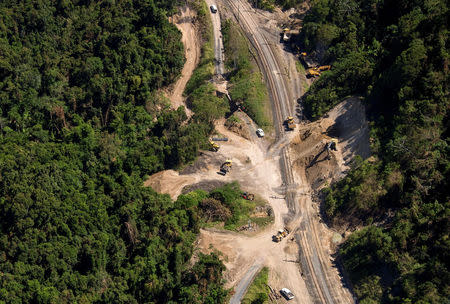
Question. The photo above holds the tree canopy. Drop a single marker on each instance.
(81, 124)
(394, 54)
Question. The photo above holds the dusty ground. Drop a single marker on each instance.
(257, 171)
(256, 168)
(184, 21)
(346, 123)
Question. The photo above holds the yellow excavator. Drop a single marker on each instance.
(225, 167)
(312, 72)
(315, 72)
(290, 124)
(324, 68)
(213, 146)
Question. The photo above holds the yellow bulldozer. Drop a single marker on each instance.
(290, 124)
(213, 146)
(282, 233)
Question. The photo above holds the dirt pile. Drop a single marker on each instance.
(345, 123)
(238, 127)
(168, 182)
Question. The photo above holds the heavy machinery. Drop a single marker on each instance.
(225, 167)
(315, 72)
(324, 68)
(248, 196)
(282, 233)
(290, 124)
(307, 61)
(286, 34)
(213, 146)
(312, 72)
(331, 145)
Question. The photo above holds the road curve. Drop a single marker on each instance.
(322, 288)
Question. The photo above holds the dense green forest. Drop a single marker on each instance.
(394, 54)
(81, 124)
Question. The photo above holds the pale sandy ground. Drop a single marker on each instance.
(257, 170)
(184, 21)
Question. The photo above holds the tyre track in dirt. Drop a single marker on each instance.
(184, 21)
(322, 287)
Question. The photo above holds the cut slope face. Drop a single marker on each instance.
(348, 125)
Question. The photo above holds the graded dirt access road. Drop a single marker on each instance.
(281, 173)
(323, 282)
(218, 44)
(184, 21)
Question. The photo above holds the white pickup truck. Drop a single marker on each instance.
(287, 293)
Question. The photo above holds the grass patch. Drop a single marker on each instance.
(233, 119)
(205, 68)
(299, 66)
(246, 82)
(258, 292)
(224, 207)
(301, 70)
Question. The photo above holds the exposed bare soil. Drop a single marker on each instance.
(184, 21)
(256, 168)
(258, 172)
(346, 123)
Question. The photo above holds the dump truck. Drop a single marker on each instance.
(282, 233)
(248, 196)
(213, 146)
(290, 124)
(225, 167)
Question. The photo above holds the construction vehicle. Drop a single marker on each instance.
(248, 196)
(282, 233)
(315, 72)
(287, 294)
(290, 124)
(286, 34)
(324, 68)
(213, 146)
(331, 145)
(307, 61)
(312, 72)
(225, 167)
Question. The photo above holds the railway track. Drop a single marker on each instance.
(322, 288)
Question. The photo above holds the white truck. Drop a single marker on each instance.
(287, 294)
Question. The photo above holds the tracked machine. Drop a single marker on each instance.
(225, 167)
(289, 123)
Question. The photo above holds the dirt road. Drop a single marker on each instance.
(323, 282)
(301, 262)
(184, 21)
(218, 44)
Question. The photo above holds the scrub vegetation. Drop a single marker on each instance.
(246, 82)
(395, 55)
